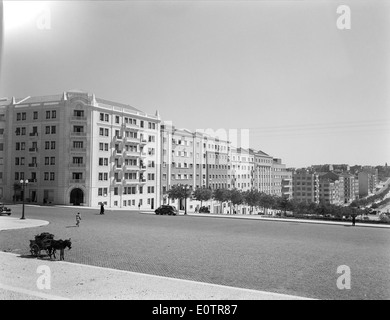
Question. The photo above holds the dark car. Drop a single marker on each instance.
(166, 209)
(204, 210)
(4, 209)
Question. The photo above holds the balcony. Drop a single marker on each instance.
(31, 165)
(118, 138)
(77, 165)
(143, 141)
(131, 181)
(142, 168)
(33, 149)
(33, 134)
(131, 167)
(118, 151)
(132, 140)
(78, 149)
(131, 126)
(77, 181)
(32, 180)
(78, 134)
(132, 153)
(142, 180)
(78, 118)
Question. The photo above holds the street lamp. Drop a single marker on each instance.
(24, 184)
(185, 199)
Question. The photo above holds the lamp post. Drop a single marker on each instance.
(185, 199)
(24, 184)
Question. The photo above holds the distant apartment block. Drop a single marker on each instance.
(306, 186)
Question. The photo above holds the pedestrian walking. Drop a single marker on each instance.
(101, 208)
(78, 219)
(353, 219)
(139, 205)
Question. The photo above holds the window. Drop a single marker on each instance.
(18, 116)
(78, 129)
(53, 145)
(78, 144)
(47, 114)
(23, 115)
(116, 119)
(53, 129)
(47, 130)
(51, 176)
(46, 176)
(53, 114)
(35, 115)
(78, 113)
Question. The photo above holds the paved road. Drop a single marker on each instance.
(287, 258)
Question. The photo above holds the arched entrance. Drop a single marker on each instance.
(76, 196)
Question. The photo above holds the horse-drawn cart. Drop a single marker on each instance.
(41, 242)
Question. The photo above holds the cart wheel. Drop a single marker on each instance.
(34, 249)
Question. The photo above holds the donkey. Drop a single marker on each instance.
(59, 245)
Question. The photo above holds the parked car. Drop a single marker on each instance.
(4, 209)
(166, 209)
(204, 210)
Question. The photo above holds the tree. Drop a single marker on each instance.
(203, 194)
(282, 204)
(266, 201)
(221, 195)
(179, 192)
(252, 198)
(236, 197)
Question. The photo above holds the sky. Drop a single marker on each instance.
(306, 91)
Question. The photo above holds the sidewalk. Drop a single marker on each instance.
(7, 223)
(268, 218)
(19, 276)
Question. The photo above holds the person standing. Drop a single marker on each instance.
(353, 219)
(78, 219)
(101, 208)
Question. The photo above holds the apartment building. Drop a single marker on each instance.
(351, 192)
(330, 191)
(242, 168)
(281, 179)
(367, 183)
(75, 148)
(263, 172)
(193, 159)
(306, 185)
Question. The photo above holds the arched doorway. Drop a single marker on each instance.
(76, 196)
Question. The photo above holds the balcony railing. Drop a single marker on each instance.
(78, 118)
(77, 180)
(33, 149)
(32, 134)
(131, 167)
(32, 165)
(77, 165)
(78, 134)
(132, 153)
(132, 126)
(78, 149)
